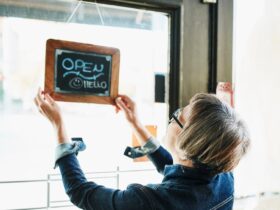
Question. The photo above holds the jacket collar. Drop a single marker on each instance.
(186, 174)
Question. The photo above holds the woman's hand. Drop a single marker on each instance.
(128, 106)
(49, 108)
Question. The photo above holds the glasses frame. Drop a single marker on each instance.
(175, 116)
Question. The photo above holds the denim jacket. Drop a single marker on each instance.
(182, 188)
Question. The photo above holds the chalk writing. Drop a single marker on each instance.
(76, 83)
(82, 72)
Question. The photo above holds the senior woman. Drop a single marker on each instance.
(205, 142)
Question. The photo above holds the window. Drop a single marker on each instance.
(27, 142)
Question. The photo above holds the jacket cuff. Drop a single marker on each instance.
(135, 152)
(65, 149)
(151, 146)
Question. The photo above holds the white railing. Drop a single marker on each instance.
(52, 178)
(96, 176)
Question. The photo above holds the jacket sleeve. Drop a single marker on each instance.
(160, 158)
(89, 195)
(154, 151)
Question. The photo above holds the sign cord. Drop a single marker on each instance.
(74, 11)
(99, 13)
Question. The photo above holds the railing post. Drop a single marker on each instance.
(118, 177)
(48, 191)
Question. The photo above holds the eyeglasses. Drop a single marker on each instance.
(175, 116)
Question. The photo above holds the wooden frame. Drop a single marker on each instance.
(55, 48)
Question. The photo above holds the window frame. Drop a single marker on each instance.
(174, 9)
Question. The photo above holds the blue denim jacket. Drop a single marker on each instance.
(182, 188)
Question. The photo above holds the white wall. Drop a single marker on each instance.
(257, 91)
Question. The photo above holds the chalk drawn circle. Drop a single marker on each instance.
(76, 83)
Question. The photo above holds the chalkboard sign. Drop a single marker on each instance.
(81, 72)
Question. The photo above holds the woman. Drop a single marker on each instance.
(205, 139)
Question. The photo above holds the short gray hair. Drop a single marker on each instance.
(214, 136)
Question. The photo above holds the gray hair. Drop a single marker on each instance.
(213, 136)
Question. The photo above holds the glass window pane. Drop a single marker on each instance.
(26, 139)
(23, 195)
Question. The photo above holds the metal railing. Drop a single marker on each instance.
(93, 176)
(51, 178)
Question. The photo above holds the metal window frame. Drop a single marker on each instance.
(174, 9)
(213, 45)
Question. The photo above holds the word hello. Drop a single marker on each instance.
(78, 83)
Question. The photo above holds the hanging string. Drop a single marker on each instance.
(99, 13)
(74, 11)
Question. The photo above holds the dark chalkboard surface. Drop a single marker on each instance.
(81, 72)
